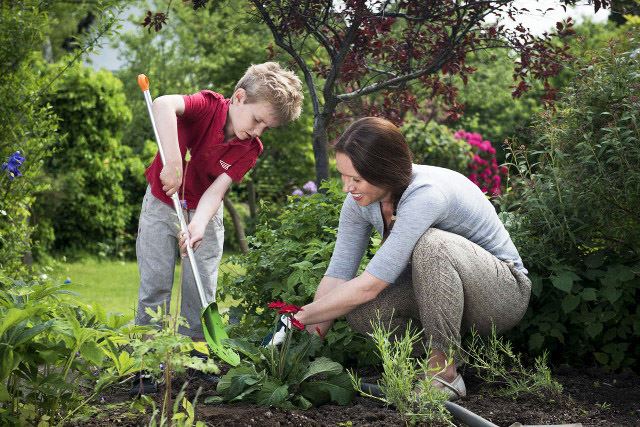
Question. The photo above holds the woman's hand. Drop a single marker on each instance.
(194, 237)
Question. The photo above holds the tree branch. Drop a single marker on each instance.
(434, 67)
(308, 78)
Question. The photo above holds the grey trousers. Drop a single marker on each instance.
(157, 252)
(455, 285)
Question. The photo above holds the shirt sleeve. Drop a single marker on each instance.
(352, 241)
(419, 211)
(239, 169)
(200, 105)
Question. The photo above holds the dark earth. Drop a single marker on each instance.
(591, 397)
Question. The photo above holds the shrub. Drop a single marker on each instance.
(84, 204)
(25, 126)
(290, 252)
(575, 219)
(483, 168)
(465, 152)
(435, 145)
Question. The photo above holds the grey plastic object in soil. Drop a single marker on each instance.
(458, 412)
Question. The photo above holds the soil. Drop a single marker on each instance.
(590, 397)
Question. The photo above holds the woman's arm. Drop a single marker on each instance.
(336, 297)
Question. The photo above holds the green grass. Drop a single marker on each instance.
(113, 284)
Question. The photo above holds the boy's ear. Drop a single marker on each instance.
(240, 96)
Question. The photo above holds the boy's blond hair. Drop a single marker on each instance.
(269, 82)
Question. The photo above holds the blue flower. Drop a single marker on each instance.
(67, 280)
(13, 164)
(183, 203)
(310, 187)
(297, 192)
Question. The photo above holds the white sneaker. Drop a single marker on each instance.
(455, 389)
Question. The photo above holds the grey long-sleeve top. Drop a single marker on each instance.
(437, 197)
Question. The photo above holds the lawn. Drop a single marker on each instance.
(113, 284)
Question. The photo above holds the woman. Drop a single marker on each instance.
(446, 262)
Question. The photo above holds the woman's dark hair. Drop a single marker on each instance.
(379, 153)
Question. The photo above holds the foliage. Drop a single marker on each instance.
(572, 214)
(489, 107)
(435, 145)
(54, 352)
(84, 204)
(286, 376)
(483, 167)
(181, 418)
(290, 252)
(406, 383)
(25, 126)
(164, 352)
(585, 156)
(465, 152)
(363, 47)
(586, 311)
(496, 363)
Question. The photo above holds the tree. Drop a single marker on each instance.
(347, 50)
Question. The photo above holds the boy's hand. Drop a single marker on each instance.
(171, 177)
(196, 233)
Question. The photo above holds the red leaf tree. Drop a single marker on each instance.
(349, 49)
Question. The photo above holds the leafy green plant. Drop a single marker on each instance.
(588, 311)
(286, 376)
(290, 252)
(185, 417)
(406, 383)
(52, 352)
(163, 352)
(495, 362)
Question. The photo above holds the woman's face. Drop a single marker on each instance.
(362, 192)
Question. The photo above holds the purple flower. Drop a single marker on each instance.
(297, 192)
(13, 164)
(310, 187)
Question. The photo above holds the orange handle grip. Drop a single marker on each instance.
(143, 82)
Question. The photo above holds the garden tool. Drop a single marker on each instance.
(212, 325)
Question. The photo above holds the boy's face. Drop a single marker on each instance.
(248, 120)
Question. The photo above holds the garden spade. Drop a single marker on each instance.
(212, 325)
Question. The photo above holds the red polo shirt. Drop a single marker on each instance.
(201, 130)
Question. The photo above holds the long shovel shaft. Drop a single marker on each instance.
(144, 85)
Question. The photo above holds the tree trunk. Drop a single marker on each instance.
(320, 141)
(237, 225)
(251, 189)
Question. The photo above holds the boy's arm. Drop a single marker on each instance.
(207, 207)
(165, 109)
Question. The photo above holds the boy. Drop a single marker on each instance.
(222, 136)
